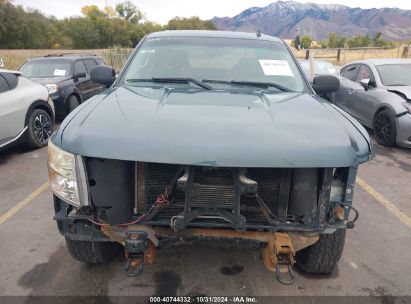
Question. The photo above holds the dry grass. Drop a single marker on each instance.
(13, 59)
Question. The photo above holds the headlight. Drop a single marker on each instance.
(407, 106)
(67, 176)
(53, 88)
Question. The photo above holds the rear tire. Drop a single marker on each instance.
(323, 256)
(39, 128)
(93, 252)
(73, 103)
(385, 131)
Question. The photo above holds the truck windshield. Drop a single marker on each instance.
(43, 69)
(219, 62)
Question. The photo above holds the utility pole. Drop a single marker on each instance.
(108, 35)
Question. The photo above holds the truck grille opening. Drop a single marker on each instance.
(210, 197)
(216, 188)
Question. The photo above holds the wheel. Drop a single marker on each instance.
(384, 128)
(93, 252)
(39, 128)
(324, 255)
(72, 103)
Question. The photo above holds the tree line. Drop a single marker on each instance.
(335, 41)
(123, 25)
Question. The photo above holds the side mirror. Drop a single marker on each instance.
(79, 75)
(103, 74)
(324, 84)
(365, 83)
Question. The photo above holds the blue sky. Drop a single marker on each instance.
(163, 10)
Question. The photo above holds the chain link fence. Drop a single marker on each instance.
(116, 57)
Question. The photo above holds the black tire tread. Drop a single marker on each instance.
(392, 141)
(323, 256)
(104, 252)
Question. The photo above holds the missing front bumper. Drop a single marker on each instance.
(279, 248)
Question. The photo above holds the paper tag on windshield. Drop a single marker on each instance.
(58, 72)
(276, 67)
(148, 51)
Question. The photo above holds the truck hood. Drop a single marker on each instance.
(214, 128)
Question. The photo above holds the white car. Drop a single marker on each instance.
(26, 111)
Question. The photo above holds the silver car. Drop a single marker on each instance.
(26, 111)
(377, 92)
(320, 67)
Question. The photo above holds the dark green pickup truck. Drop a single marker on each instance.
(213, 137)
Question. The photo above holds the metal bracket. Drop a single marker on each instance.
(279, 257)
(135, 245)
(191, 212)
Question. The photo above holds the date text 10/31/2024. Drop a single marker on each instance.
(203, 299)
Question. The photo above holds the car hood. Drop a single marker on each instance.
(50, 79)
(405, 91)
(214, 128)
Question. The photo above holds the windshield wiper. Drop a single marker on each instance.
(172, 80)
(261, 84)
(251, 83)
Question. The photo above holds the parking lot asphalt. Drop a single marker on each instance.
(34, 260)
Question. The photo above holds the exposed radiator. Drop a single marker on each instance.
(218, 195)
(211, 188)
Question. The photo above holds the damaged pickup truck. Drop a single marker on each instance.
(212, 137)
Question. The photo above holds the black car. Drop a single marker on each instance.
(67, 77)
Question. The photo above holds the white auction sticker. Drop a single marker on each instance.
(58, 72)
(276, 67)
(148, 51)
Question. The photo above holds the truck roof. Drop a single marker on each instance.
(214, 34)
(60, 57)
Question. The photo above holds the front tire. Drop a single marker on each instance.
(39, 128)
(93, 252)
(385, 131)
(323, 256)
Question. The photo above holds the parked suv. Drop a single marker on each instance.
(26, 111)
(67, 77)
(214, 137)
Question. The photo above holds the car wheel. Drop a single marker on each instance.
(73, 103)
(40, 127)
(384, 128)
(93, 252)
(323, 256)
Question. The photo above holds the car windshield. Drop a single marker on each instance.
(395, 74)
(320, 67)
(219, 62)
(43, 69)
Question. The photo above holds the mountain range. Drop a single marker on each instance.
(282, 18)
